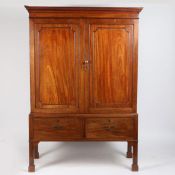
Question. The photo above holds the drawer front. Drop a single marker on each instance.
(57, 128)
(110, 128)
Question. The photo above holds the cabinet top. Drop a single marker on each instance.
(99, 12)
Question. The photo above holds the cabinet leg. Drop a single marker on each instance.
(129, 150)
(36, 151)
(135, 157)
(31, 167)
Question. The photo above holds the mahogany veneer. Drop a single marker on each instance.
(83, 64)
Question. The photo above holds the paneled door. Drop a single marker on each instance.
(109, 83)
(57, 66)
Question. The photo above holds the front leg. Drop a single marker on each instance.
(135, 156)
(31, 167)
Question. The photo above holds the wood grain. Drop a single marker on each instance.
(57, 66)
(111, 70)
(112, 65)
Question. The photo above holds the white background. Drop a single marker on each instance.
(156, 97)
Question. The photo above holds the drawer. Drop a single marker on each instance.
(110, 128)
(57, 128)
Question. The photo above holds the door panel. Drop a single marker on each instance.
(110, 72)
(57, 67)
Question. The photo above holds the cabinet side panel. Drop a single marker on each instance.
(135, 64)
(32, 64)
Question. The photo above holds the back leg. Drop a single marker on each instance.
(36, 151)
(129, 150)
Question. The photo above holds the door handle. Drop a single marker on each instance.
(85, 64)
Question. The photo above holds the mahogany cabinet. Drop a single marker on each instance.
(83, 69)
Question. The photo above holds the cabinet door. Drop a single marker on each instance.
(57, 73)
(111, 73)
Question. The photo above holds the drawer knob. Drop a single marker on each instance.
(109, 120)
